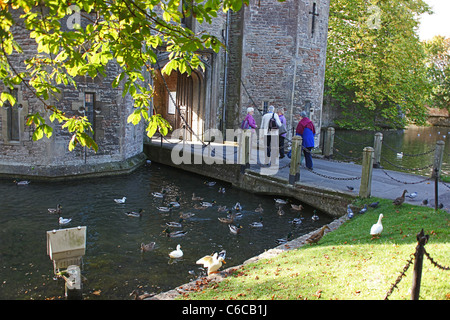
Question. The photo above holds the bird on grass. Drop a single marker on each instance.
(374, 204)
(349, 212)
(176, 254)
(377, 228)
(56, 210)
(399, 200)
(363, 210)
(147, 247)
(315, 237)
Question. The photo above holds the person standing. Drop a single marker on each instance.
(265, 127)
(282, 136)
(306, 130)
(249, 121)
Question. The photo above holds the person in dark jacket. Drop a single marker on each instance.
(306, 130)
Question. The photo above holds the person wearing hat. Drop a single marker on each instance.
(306, 130)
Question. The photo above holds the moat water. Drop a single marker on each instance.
(114, 265)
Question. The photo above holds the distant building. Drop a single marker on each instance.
(276, 56)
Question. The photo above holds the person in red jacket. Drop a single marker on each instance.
(306, 130)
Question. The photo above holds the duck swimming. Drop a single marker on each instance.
(175, 224)
(194, 198)
(135, 214)
(120, 201)
(257, 224)
(174, 234)
(63, 221)
(147, 247)
(259, 209)
(176, 254)
(57, 210)
(235, 229)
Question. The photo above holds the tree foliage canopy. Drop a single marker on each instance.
(128, 32)
(375, 69)
(438, 69)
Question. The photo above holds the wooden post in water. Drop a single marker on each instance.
(296, 153)
(422, 239)
(377, 143)
(366, 174)
(329, 143)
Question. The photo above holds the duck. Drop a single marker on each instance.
(161, 194)
(210, 183)
(186, 215)
(148, 247)
(135, 214)
(350, 188)
(280, 201)
(377, 228)
(174, 224)
(120, 201)
(199, 207)
(174, 234)
(257, 224)
(363, 210)
(176, 203)
(284, 240)
(399, 155)
(64, 221)
(315, 237)
(315, 217)
(212, 263)
(235, 229)
(165, 209)
(237, 206)
(56, 210)
(349, 212)
(143, 296)
(297, 207)
(259, 209)
(222, 209)
(194, 198)
(425, 202)
(208, 204)
(229, 219)
(399, 201)
(297, 221)
(222, 190)
(176, 254)
(22, 182)
(280, 211)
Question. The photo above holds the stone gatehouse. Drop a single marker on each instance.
(276, 56)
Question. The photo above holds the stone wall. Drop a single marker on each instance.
(117, 140)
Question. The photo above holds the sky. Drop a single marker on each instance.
(438, 23)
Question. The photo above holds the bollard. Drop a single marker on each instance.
(438, 154)
(296, 151)
(329, 143)
(366, 174)
(377, 143)
(422, 239)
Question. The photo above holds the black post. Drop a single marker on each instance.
(422, 239)
(436, 189)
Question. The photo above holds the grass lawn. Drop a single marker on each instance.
(346, 264)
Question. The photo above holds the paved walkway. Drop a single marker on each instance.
(338, 175)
